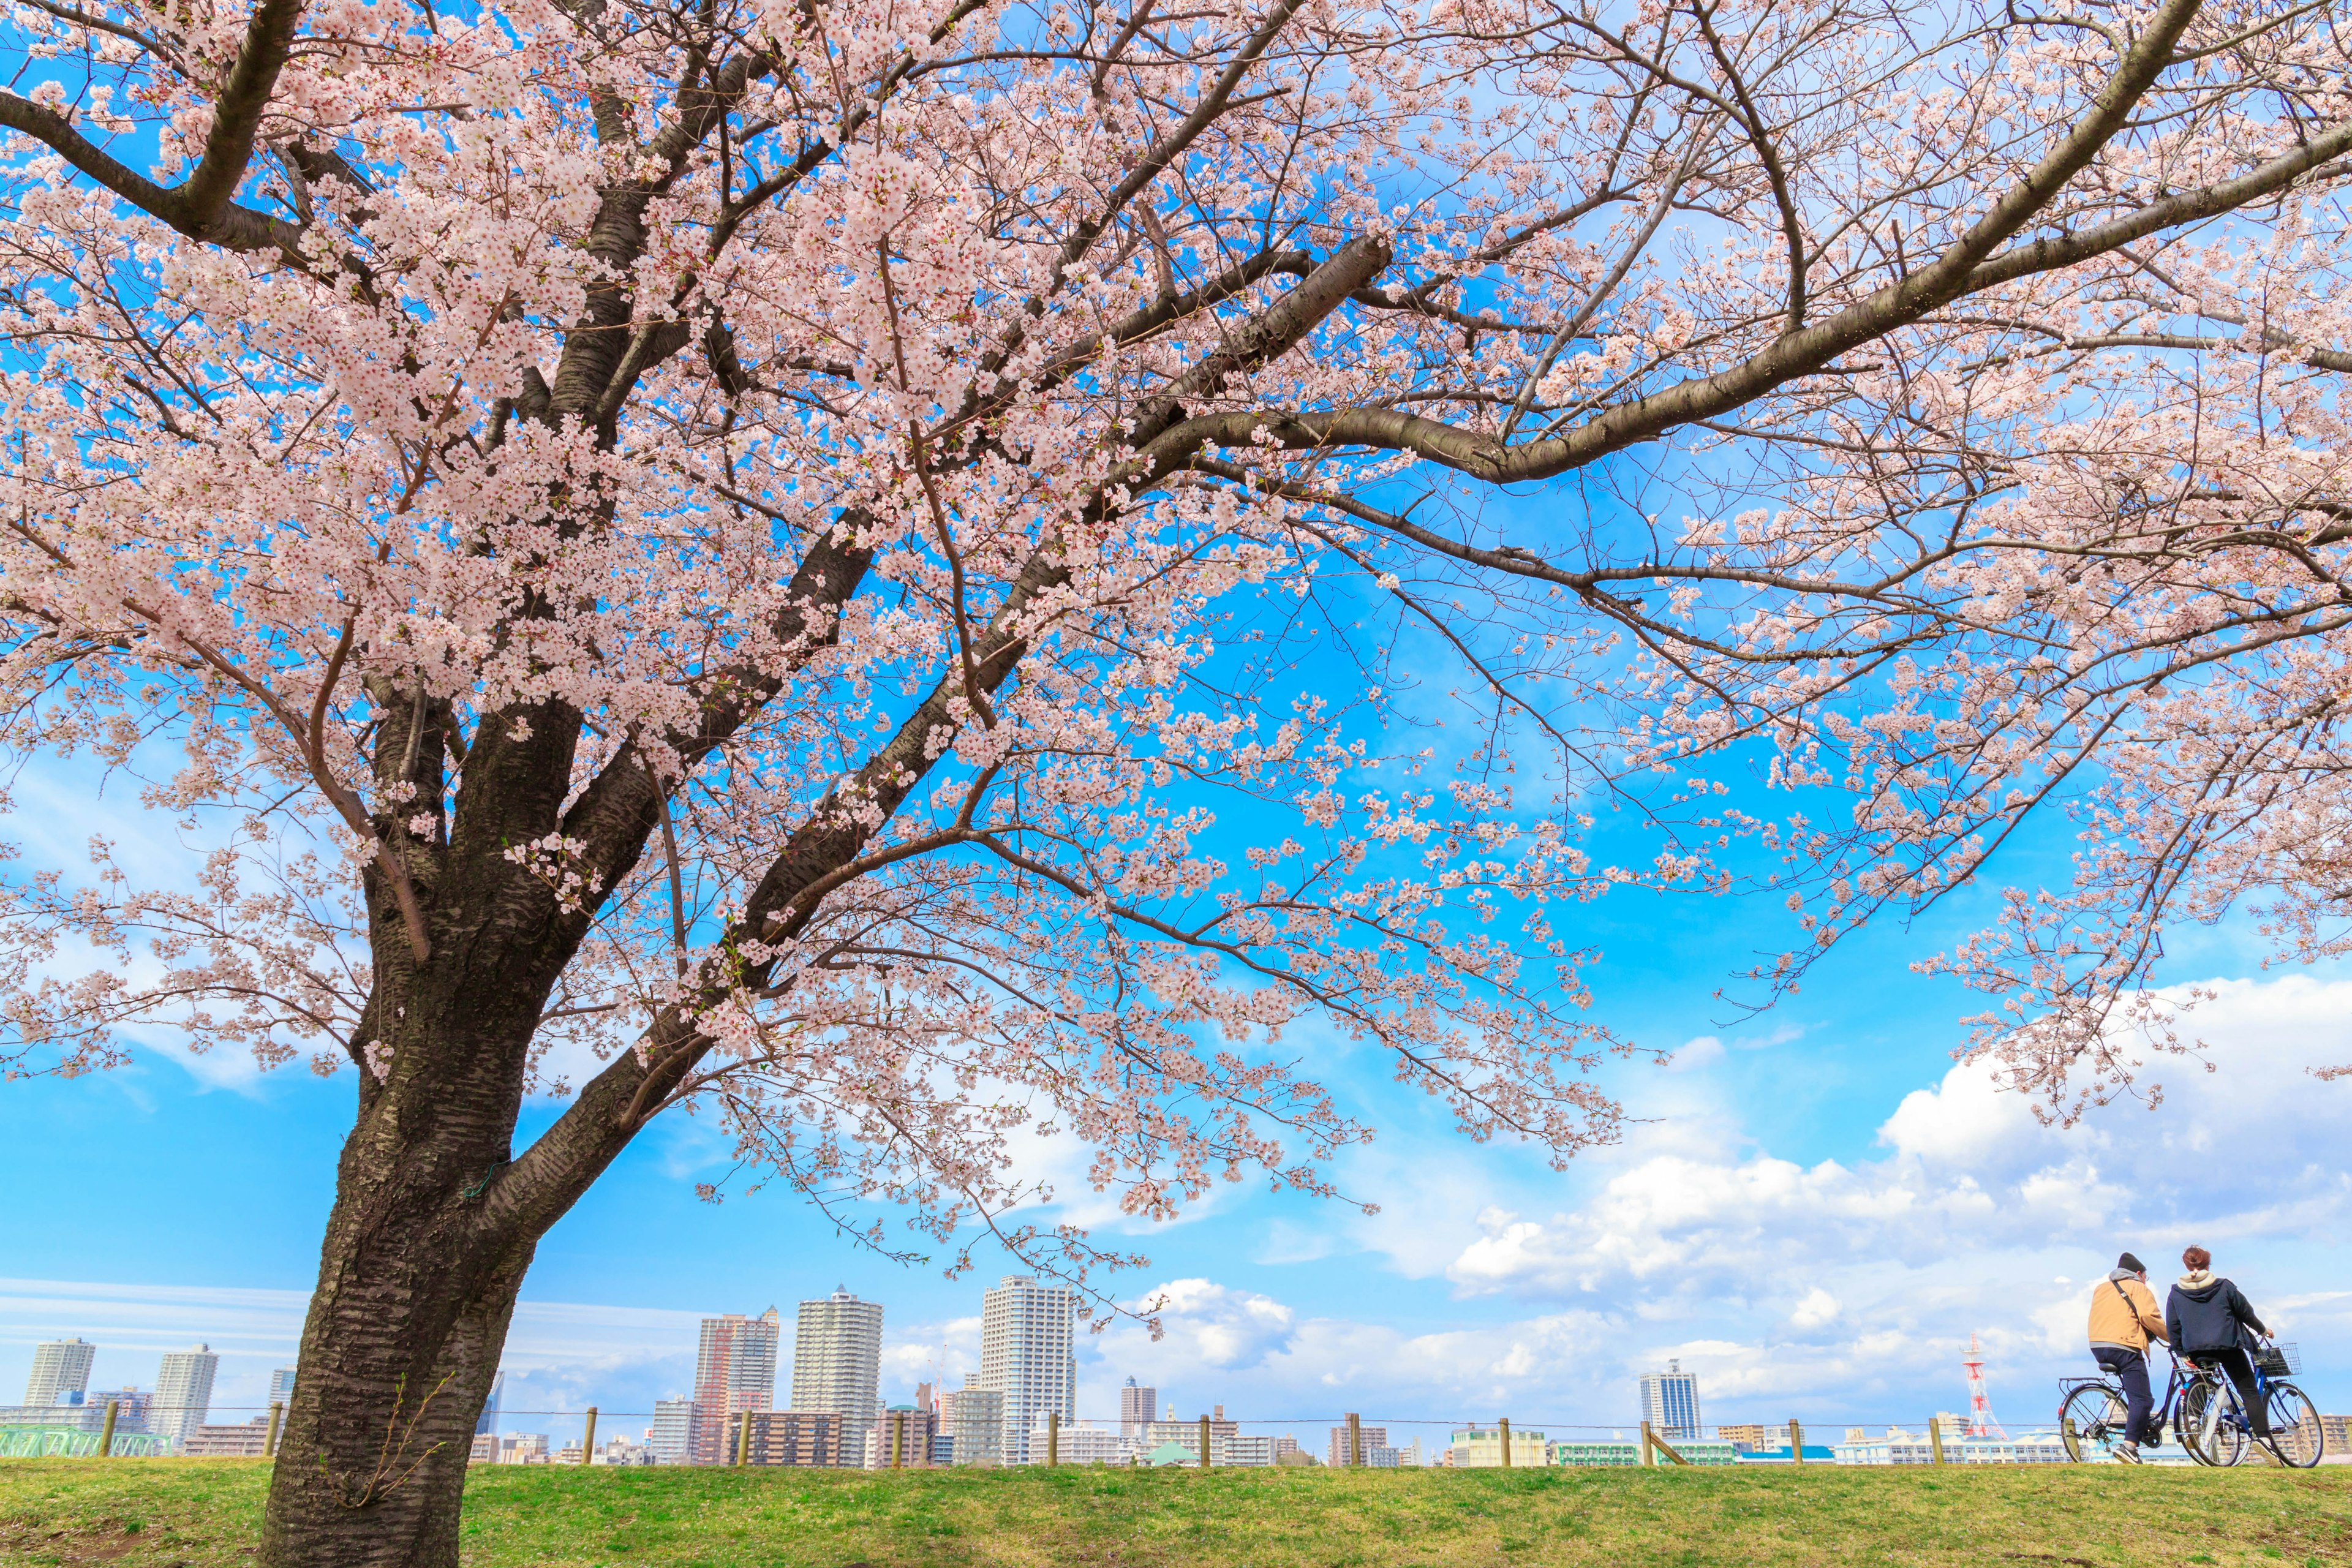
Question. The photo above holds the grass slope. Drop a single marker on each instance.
(200, 1514)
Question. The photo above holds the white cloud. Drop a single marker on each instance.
(1695, 1054)
(1817, 1310)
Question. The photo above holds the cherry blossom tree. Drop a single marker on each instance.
(838, 569)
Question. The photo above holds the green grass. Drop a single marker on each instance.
(200, 1514)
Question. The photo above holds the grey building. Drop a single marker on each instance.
(980, 1424)
(838, 1365)
(1027, 1355)
(183, 1394)
(60, 1367)
(1138, 1408)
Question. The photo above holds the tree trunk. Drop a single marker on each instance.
(415, 1286)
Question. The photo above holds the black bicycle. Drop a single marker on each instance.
(2091, 1413)
(2201, 1407)
(2213, 1416)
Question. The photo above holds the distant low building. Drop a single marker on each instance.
(485, 1449)
(671, 1437)
(246, 1440)
(1618, 1452)
(900, 1436)
(1335, 1452)
(1172, 1453)
(1481, 1448)
(1080, 1443)
(523, 1449)
(1747, 1437)
(1251, 1451)
(1816, 1453)
(621, 1451)
(979, 1426)
(795, 1438)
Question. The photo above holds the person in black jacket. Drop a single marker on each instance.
(2208, 1319)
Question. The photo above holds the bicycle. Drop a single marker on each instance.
(2092, 1413)
(2213, 1411)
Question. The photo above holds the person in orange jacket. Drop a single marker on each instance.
(2124, 1319)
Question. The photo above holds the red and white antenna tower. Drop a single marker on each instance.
(1981, 1421)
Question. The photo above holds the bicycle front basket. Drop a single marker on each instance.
(2278, 1360)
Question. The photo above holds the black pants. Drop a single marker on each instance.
(2239, 1368)
(2130, 1368)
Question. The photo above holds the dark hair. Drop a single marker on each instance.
(2197, 1257)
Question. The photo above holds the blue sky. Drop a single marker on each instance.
(1814, 1212)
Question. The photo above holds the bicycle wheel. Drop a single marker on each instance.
(2296, 1431)
(2091, 1422)
(2210, 1426)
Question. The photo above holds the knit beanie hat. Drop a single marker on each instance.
(2133, 1264)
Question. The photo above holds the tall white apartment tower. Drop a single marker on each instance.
(184, 1393)
(1136, 1409)
(1670, 1402)
(837, 1364)
(59, 1367)
(1027, 1355)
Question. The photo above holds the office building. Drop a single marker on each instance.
(1027, 1355)
(980, 1426)
(1335, 1453)
(1670, 1402)
(488, 1421)
(184, 1393)
(281, 1385)
(60, 1367)
(734, 1371)
(837, 1364)
(671, 1437)
(1135, 1406)
(805, 1437)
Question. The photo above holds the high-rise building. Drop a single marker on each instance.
(1371, 1438)
(980, 1425)
(734, 1371)
(1135, 1406)
(1670, 1402)
(671, 1437)
(1027, 1355)
(183, 1394)
(281, 1387)
(837, 1364)
(59, 1367)
(488, 1421)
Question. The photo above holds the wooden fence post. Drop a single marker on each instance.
(1935, 1439)
(277, 1426)
(743, 1438)
(1053, 1436)
(1355, 1439)
(106, 1433)
(588, 1439)
(1505, 1424)
(1796, 1443)
(1205, 1442)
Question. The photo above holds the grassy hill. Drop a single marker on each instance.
(200, 1514)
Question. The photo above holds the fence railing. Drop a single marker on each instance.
(905, 1437)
